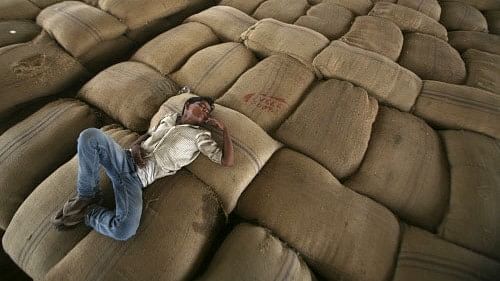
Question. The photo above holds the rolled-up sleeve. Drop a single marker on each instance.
(209, 147)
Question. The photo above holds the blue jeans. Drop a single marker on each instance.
(95, 148)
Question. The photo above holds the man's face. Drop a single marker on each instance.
(199, 111)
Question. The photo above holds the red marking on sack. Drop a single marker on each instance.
(265, 102)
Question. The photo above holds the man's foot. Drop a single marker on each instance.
(77, 205)
(65, 222)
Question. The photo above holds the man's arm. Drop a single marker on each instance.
(227, 149)
(137, 150)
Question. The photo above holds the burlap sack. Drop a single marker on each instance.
(17, 31)
(359, 7)
(268, 92)
(483, 70)
(252, 253)
(493, 19)
(328, 19)
(452, 106)
(268, 37)
(168, 51)
(432, 59)
(180, 221)
(18, 9)
(136, 14)
(211, 71)
(473, 218)
(79, 27)
(23, 111)
(429, 7)
(129, 92)
(339, 144)
(482, 4)
(35, 147)
(464, 40)
(405, 169)
(375, 34)
(409, 20)
(45, 3)
(252, 149)
(31, 240)
(339, 233)
(227, 22)
(283, 10)
(460, 16)
(107, 53)
(246, 6)
(423, 254)
(35, 69)
(387, 81)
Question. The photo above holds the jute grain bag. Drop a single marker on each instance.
(283, 10)
(269, 37)
(246, 6)
(432, 59)
(424, 254)
(409, 20)
(464, 40)
(375, 34)
(252, 149)
(211, 71)
(268, 92)
(252, 253)
(79, 27)
(17, 31)
(227, 22)
(168, 51)
(460, 16)
(452, 106)
(107, 53)
(482, 5)
(473, 219)
(431, 8)
(35, 69)
(405, 169)
(180, 222)
(384, 79)
(332, 125)
(32, 149)
(304, 205)
(31, 240)
(493, 19)
(129, 92)
(483, 70)
(328, 19)
(18, 9)
(358, 7)
(45, 3)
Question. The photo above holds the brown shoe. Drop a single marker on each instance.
(77, 205)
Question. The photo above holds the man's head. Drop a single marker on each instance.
(197, 109)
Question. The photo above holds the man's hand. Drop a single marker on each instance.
(215, 123)
(137, 154)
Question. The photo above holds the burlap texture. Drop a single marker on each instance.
(452, 106)
(423, 254)
(473, 218)
(268, 92)
(268, 37)
(493, 19)
(482, 4)
(45, 3)
(107, 53)
(136, 14)
(375, 34)
(432, 59)
(359, 7)
(17, 31)
(409, 20)
(28, 152)
(405, 169)
(227, 22)
(18, 9)
(180, 222)
(252, 149)
(283, 10)
(339, 144)
(386, 80)
(460, 16)
(168, 51)
(31, 240)
(252, 253)
(211, 71)
(463, 40)
(129, 92)
(339, 233)
(328, 19)
(246, 6)
(483, 70)
(429, 7)
(79, 27)
(35, 69)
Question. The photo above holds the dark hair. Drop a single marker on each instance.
(191, 100)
